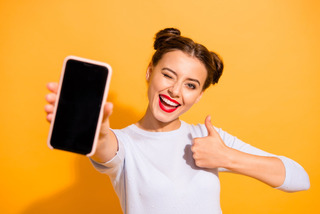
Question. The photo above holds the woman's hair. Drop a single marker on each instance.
(170, 39)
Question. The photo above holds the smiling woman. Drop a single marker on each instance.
(175, 84)
(164, 165)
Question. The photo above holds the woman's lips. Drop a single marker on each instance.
(167, 104)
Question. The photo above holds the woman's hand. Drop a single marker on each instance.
(51, 99)
(107, 144)
(210, 151)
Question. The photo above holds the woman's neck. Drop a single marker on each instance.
(149, 123)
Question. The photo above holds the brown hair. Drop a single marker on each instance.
(170, 39)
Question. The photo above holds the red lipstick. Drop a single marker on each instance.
(167, 104)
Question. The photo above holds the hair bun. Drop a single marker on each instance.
(165, 35)
(219, 67)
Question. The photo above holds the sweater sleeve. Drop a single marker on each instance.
(296, 178)
(113, 167)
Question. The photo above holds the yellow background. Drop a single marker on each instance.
(268, 95)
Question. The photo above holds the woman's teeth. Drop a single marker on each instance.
(169, 102)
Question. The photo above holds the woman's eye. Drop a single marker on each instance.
(168, 76)
(191, 86)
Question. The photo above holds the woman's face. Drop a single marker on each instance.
(175, 84)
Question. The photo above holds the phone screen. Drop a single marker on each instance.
(79, 105)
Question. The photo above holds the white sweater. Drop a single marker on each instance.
(154, 172)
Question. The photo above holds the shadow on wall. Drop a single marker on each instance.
(92, 192)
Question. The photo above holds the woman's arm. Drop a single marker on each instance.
(107, 145)
(269, 170)
(212, 152)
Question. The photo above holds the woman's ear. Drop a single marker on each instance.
(148, 73)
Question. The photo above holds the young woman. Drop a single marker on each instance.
(164, 165)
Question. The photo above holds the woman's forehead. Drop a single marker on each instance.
(182, 63)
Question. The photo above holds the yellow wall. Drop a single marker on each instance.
(268, 95)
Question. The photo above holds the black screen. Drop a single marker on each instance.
(78, 109)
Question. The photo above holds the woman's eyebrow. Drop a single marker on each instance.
(172, 71)
(168, 69)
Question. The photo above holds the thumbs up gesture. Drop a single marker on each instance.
(210, 151)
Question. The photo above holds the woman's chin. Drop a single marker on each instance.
(166, 118)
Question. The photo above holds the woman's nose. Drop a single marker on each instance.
(175, 90)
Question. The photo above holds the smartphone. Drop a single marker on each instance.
(83, 90)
